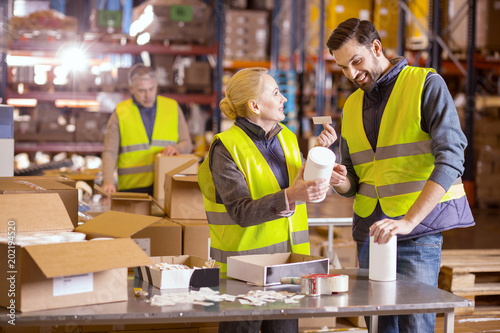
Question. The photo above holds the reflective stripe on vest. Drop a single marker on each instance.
(227, 238)
(137, 155)
(397, 172)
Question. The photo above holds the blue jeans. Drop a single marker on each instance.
(419, 259)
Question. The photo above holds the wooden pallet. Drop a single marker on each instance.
(475, 275)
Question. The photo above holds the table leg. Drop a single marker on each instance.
(449, 321)
(373, 324)
(334, 258)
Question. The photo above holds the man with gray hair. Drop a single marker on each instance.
(141, 127)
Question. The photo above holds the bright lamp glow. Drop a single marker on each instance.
(28, 102)
(74, 59)
(76, 103)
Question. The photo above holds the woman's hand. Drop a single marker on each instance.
(311, 190)
(327, 137)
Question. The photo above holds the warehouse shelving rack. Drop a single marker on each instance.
(96, 48)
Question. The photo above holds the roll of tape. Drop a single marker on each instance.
(320, 284)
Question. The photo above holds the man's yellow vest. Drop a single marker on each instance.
(397, 171)
(137, 154)
(287, 234)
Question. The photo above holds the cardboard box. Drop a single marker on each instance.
(199, 76)
(347, 253)
(116, 224)
(164, 164)
(195, 277)
(162, 238)
(54, 177)
(152, 234)
(183, 198)
(91, 126)
(130, 202)
(195, 237)
(69, 195)
(268, 269)
(57, 275)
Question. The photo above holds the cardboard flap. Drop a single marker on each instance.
(130, 196)
(183, 178)
(184, 166)
(116, 224)
(34, 212)
(62, 259)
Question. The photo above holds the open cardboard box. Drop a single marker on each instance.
(151, 233)
(21, 185)
(130, 202)
(183, 198)
(268, 269)
(162, 238)
(46, 276)
(195, 277)
(164, 164)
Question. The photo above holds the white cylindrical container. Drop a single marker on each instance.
(319, 164)
(383, 260)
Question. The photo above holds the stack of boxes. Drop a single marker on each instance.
(177, 198)
(487, 25)
(487, 151)
(385, 18)
(175, 21)
(247, 34)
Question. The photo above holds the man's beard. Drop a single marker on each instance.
(372, 77)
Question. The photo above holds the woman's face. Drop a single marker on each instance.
(268, 109)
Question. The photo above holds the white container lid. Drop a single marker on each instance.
(322, 157)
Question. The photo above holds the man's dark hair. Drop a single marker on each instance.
(363, 31)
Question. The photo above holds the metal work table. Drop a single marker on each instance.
(364, 298)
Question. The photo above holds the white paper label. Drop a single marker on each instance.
(144, 244)
(73, 284)
(322, 120)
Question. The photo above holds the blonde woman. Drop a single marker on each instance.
(252, 183)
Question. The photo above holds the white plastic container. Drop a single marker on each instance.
(383, 258)
(319, 164)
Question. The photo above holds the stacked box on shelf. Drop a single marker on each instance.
(487, 25)
(487, 151)
(246, 34)
(287, 85)
(417, 38)
(178, 21)
(488, 177)
(385, 18)
(336, 11)
(91, 126)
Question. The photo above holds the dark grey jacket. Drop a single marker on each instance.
(448, 142)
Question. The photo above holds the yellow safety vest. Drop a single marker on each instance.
(396, 173)
(227, 238)
(137, 154)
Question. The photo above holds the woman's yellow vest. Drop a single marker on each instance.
(227, 238)
(137, 154)
(397, 171)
